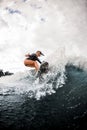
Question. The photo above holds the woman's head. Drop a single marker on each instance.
(39, 53)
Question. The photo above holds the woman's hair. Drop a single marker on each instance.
(40, 52)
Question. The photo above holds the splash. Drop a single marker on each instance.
(28, 83)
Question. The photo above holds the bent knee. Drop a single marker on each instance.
(25, 62)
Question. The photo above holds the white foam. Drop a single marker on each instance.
(26, 83)
(57, 28)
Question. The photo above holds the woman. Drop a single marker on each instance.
(31, 60)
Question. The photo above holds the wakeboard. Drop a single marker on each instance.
(44, 68)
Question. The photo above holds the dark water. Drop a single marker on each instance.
(65, 109)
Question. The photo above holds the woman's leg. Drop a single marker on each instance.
(36, 65)
(31, 63)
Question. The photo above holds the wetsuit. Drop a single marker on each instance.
(34, 58)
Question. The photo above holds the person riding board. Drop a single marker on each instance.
(31, 60)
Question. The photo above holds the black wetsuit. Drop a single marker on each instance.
(34, 58)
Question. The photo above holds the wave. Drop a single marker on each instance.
(28, 83)
(52, 27)
(69, 101)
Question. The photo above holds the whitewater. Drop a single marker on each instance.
(59, 29)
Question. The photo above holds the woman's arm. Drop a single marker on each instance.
(39, 60)
(27, 55)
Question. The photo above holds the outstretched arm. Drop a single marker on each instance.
(27, 55)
